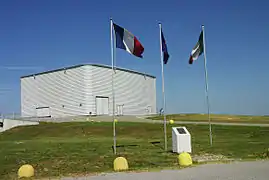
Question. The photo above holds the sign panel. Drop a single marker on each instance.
(181, 131)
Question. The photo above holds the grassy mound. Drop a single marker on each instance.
(215, 118)
(82, 148)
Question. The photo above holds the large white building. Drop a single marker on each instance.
(87, 89)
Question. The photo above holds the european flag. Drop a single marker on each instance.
(164, 49)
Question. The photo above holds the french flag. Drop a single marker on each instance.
(127, 41)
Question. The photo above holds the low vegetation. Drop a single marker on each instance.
(83, 148)
(215, 118)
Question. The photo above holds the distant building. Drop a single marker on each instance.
(87, 89)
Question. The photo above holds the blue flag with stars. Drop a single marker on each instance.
(164, 49)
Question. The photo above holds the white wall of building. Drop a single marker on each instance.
(64, 92)
(134, 92)
(74, 91)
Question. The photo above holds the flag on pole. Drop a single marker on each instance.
(127, 41)
(164, 49)
(164, 59)
(197, 50)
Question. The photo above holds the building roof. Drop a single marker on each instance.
(96, 65)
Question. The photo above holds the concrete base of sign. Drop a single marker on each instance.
(181, 140)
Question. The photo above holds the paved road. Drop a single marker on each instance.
(258, 170)
(222, 123)
(137, 119)
(141, 119)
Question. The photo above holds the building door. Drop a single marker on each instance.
(43, 112)
(120, 110)
(149, 109)
(102, 105)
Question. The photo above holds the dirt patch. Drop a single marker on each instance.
(203, 158)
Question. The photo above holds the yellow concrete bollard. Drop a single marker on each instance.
(171, 121)
(184, 159)
(120, 164)
(115, 120)
(26, 171)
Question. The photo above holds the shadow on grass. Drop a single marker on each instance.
(124, 146)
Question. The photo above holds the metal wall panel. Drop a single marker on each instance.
(63, 91)
(134, 91)
(73, 91)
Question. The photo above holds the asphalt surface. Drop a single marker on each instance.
(222, 123)
(257, 170)
(141, 119)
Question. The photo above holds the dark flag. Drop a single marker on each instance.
(165, 51)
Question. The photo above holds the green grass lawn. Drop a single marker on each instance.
(81, 148)
(215, 118)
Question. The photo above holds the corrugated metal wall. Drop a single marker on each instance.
(134, 91)
(63, 91)
(73, 92)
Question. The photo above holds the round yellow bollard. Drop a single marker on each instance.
(120, 163)
(115, 120)
(26, 171)
(184, 159)
(171, 121)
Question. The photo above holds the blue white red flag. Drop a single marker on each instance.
(127, 41)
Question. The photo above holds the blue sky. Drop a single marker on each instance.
(43, 35)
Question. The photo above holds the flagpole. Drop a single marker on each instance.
(206, 88)
(163, 92)
(113, 94)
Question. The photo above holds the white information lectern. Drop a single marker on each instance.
(181, 140)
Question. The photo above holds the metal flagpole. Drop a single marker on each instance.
(206, 88)
(164, 116)
(113, 94)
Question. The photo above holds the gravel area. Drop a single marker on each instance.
(234, 171)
